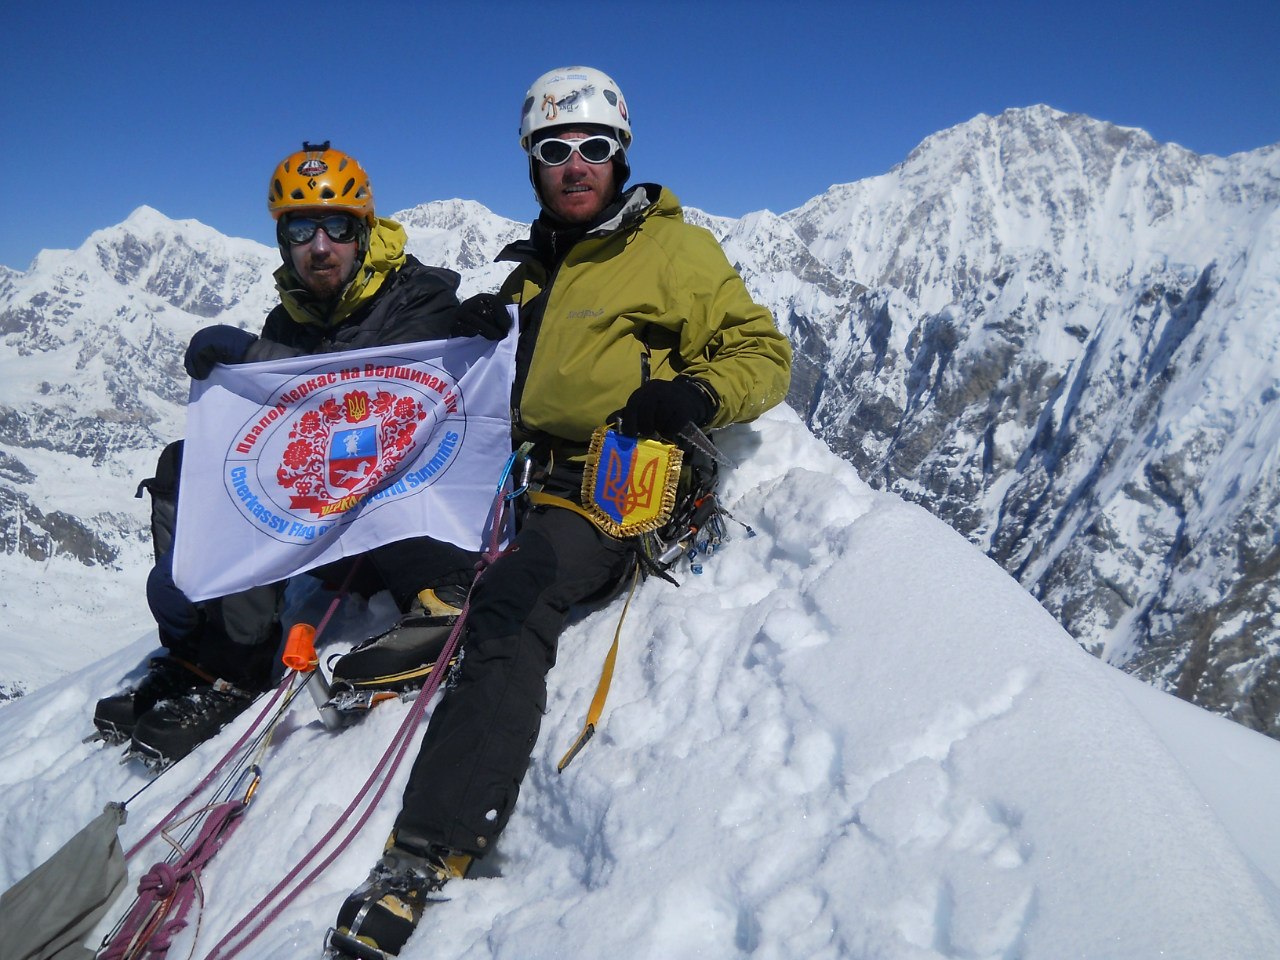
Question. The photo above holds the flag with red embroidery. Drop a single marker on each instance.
(292, 464)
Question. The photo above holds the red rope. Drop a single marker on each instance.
(148, 929)
(217, 768)
(284, 684)
(385, 769)
(167, 891)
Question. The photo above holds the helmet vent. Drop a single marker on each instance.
(327, 194)
(346, 187)
(297, 194)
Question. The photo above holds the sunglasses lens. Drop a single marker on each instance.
(340, 229)
(553, 152)
(596, 149)
(299, 229)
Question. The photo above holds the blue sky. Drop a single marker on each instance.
(736, 106)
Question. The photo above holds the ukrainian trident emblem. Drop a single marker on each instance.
(630, 485)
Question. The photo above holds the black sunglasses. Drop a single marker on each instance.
(340, 227)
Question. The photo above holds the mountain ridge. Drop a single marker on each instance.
(1056, 333)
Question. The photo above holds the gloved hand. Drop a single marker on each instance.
(484, 315)
(663, 407)
(175, 614)
(216, 344)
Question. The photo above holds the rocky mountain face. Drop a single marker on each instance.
(91, 389)
(1067, 348)
(1057, 334)
(91, 353)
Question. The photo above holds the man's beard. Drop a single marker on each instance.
(326, 287)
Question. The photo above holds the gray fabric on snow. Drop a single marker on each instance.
(47, 914)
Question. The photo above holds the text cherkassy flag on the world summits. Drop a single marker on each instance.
(292, 464)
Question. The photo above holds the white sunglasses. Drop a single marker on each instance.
(554, 152)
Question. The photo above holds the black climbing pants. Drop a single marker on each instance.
(476, 749)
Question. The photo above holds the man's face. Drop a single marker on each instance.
(324, 265)
(576, 191)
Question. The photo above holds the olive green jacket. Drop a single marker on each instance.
(645, 282)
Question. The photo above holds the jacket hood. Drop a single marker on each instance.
(549, 239)
(644, 199)
(385, 255)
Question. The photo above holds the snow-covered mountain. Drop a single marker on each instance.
(91, 388)
(1068, 350)
(1056, 334)
(891, 752)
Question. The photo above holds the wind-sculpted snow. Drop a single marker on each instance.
(851, 736)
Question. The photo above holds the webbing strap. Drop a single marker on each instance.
(596, 709)
(602, 686)
(539, 498)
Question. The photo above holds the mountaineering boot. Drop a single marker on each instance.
(402, 658)
(173, 728)
(167, 677)
(378, 917)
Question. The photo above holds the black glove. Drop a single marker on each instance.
(483, 315)
(663, 407)
(217, 344)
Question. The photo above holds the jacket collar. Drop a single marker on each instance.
(385, 255)
(551, 239)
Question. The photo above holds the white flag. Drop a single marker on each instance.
(291, 464)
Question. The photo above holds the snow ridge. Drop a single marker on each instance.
(892, 752)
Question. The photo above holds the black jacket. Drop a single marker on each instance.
(415, 302)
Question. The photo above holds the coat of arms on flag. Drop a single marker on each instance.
(630, 485)
(347, 445)
(334, 445)
(352, 455)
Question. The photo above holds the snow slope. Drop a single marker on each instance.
(851, 736)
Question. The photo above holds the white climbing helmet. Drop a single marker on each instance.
(574, 95)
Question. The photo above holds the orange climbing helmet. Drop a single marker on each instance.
(318, 176)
